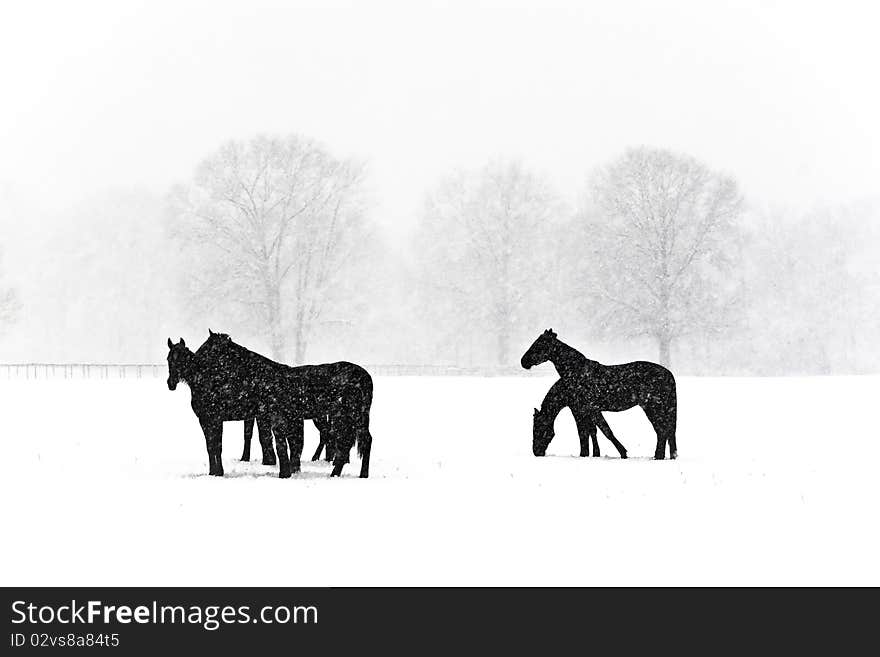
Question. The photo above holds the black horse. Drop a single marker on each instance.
(558, 397)
(264, 426)
(229, 382)
(596, 387)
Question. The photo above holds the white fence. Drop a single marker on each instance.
(160, 370)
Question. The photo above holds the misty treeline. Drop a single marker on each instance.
(275, 241)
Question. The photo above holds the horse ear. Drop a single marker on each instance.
(170, 344)
(182, 343)
(537, 412)
(210, 332)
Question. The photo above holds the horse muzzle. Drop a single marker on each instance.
(172, 385)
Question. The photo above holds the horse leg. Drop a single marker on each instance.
(586, 431)
(264, 425)
(295, 441)
(657, 416)
(673, 448)
(317, 455)
(324, 427)
(280, 429)
(213, 430)
(321, 425)
(341, 439)
(663, 415)
(600, 422)
(248, 434)
(669, 421)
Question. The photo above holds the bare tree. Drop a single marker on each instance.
(660, 247)
(814, 290)
(480, 242)
(270, 224)
(10, 306)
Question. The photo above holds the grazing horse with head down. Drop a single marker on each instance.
(230, 382)
(558, 397)
(596, 387)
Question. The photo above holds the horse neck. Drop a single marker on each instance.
(555, 400)
(191, 370)
(567, 360)
(545, 421)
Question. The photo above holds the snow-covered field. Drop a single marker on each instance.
(105, 483)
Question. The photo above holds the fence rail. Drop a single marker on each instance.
(157, 370)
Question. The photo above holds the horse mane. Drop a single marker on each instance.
(568, 352)
(218, 341)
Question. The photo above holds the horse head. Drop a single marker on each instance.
(179, 359)
(540, 351)
(542, 433)
(217, 339)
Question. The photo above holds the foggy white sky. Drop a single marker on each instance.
(782, 95)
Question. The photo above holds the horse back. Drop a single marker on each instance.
(318, 387)
(620, 387)
(646, 380)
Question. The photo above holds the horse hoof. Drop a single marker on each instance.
(623, 456)
(674, 455)
(268, 462)
(245, 459)
(284, 474)
(659, 457)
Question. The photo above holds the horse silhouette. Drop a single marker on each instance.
(593, 387)
(230, 382)
(264, 426)
(558, 397)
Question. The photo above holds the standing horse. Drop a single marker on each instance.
(229, 382)
(558, 397)
(217, 340)
(597, 387)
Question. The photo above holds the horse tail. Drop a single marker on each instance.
(362, 435)
(672, 417)
(364, 440)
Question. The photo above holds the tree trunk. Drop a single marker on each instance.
(503, 347)
(300, 352)
(665, 344)
(277, 338)
(276, 334)
(300, 337)
(300, 356)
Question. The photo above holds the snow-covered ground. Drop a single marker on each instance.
(105, 483)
